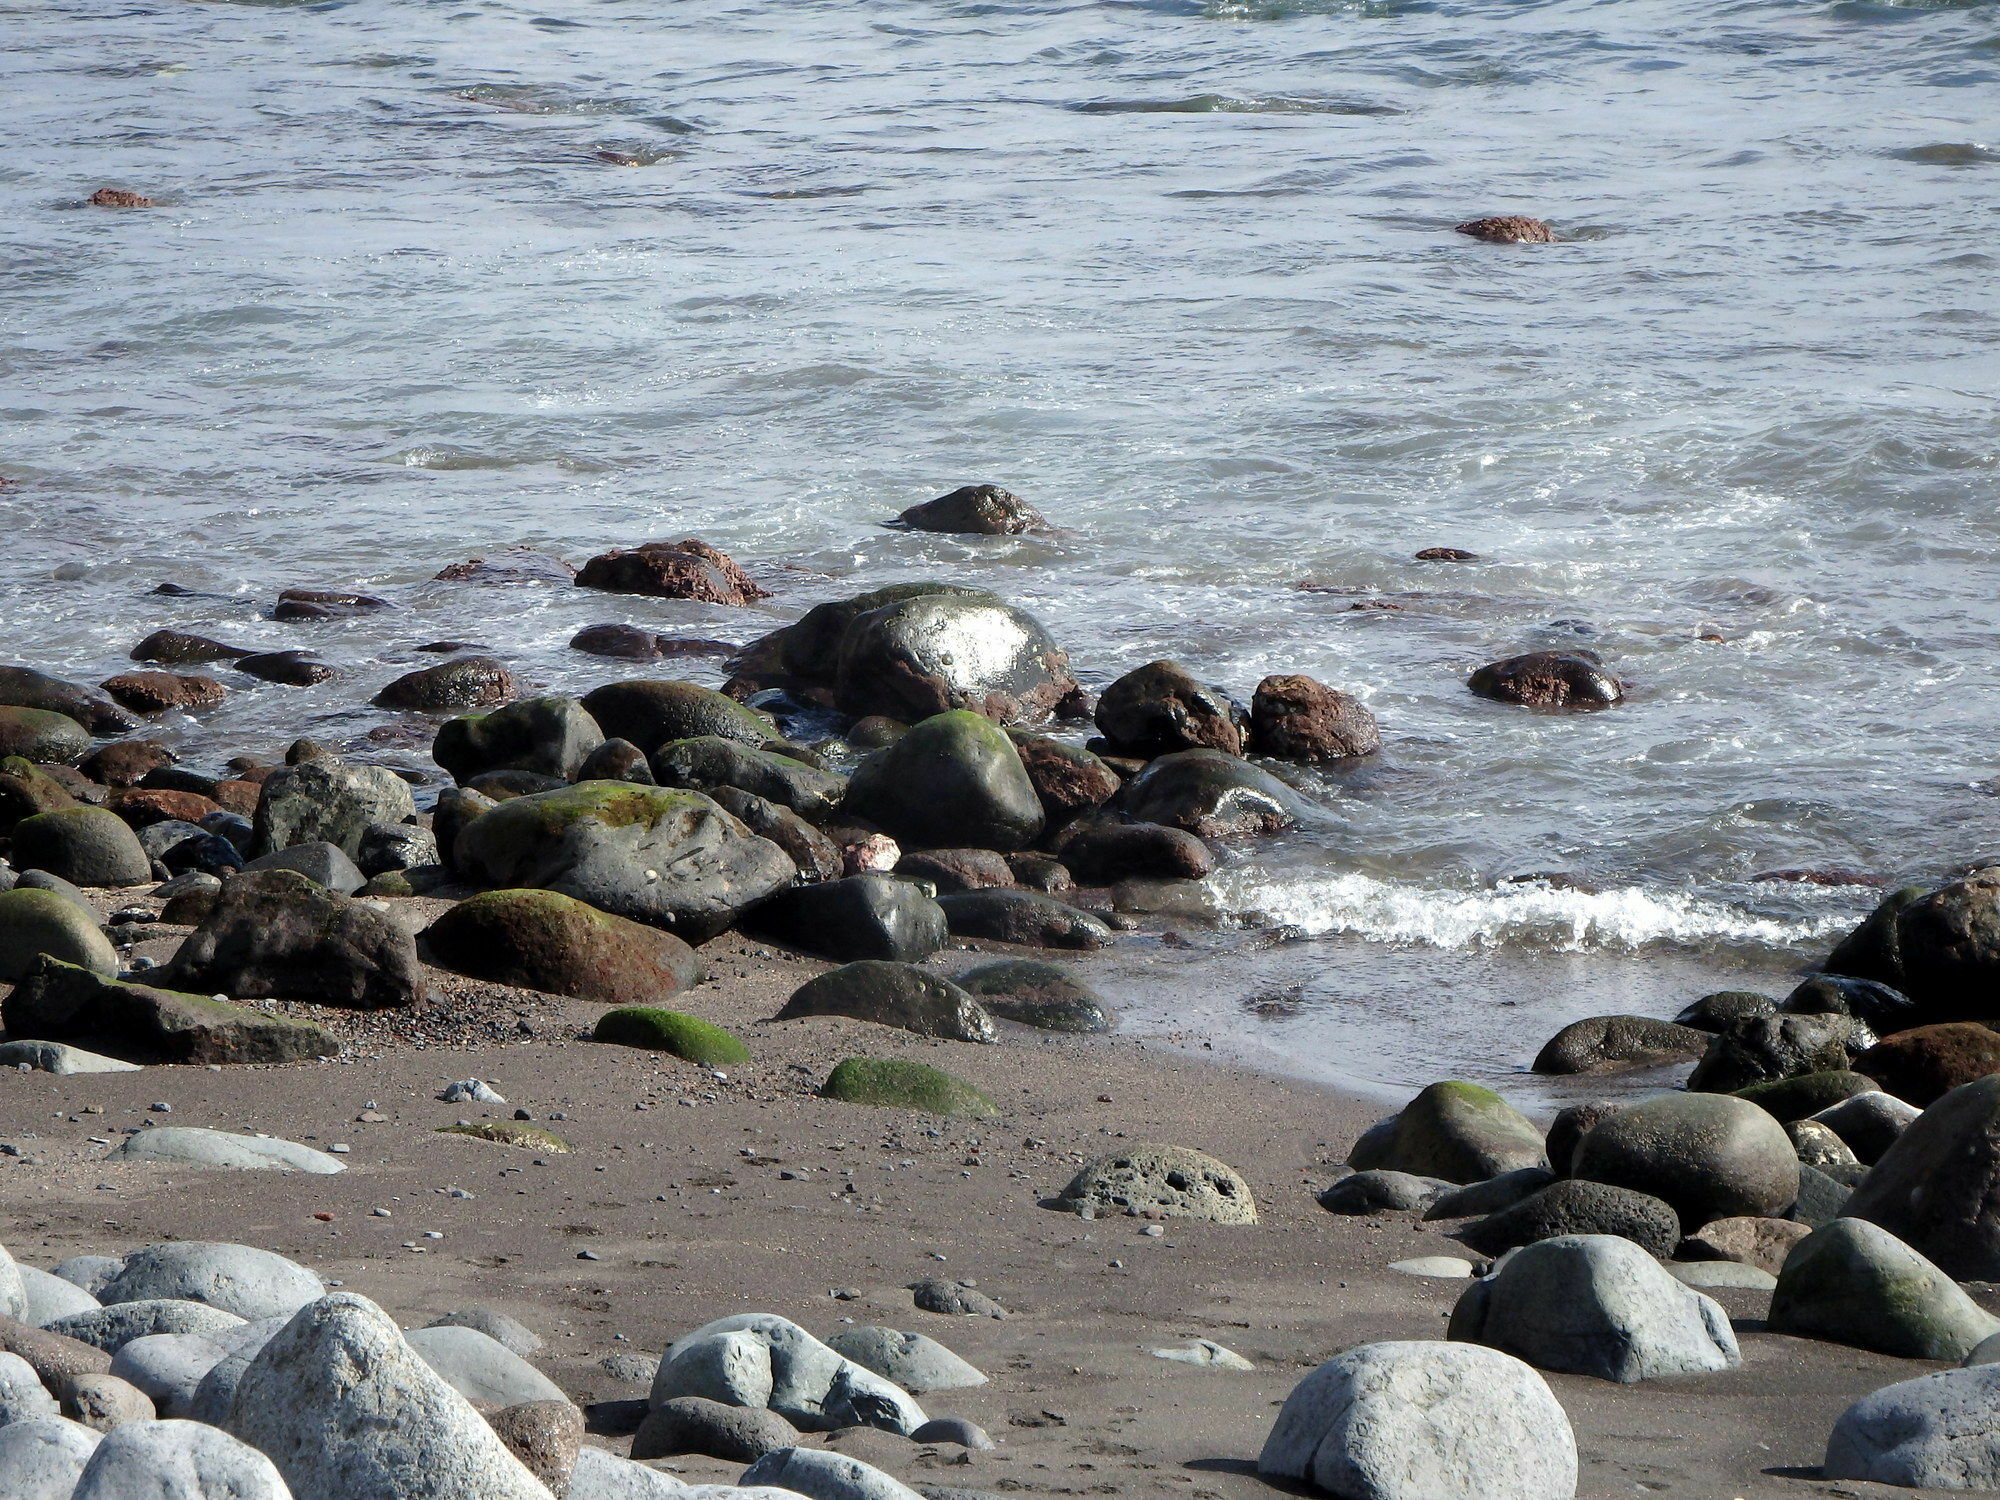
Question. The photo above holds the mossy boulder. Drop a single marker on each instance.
(89, 846)
(894, 1083)
(543, 940)
(553, 736)
(660, 1030)
(954, 781)
(26, 789)
(1789, 1099)
(34, 923)
(42, 737)
(1459, 1132)
(1853, 1282)
(708, 762)
(512, 1133)
(57, 1001)
(650, 713)
(1030, 992)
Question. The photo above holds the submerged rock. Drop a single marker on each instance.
(977, 510)
(687, 569)
(1549, 679)
(1607, 1044)
(1507, 229)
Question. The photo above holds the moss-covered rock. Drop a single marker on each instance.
(953, 781)
(1854, 1282)
(57, 1001)
(896, 1084)
(512, 1133)
(543, 940)
(660, 1030)
(1456, 1131)
(650, 713)
(553, 736)
(26, 790)
(34, 923)
(90, 846)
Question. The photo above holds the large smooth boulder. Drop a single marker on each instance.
(23, 1398)
(1424, 1421)
(893, 994)
(195, 1145)
(1293, 717)
(862, 916)
(709, 762)
(1027, 918)
(57, 1001)
(1925, 1063)
(1595, 1304)
(168, 1460)
(35, 924)
(327, 800)
(552, 736)
(1853, 1282)
(42, 1459)
(480, 1367)
(819, 1475)
(1869, 1123)
(1934, 1432)
(1708, 1155)
(650, 713)
(1159, 708)
(40, 738)
(758, 1359)
(48, 1297)
(167, 1368)
(542, 940)
(658, 855)
(88, 846)
(1609, 1044)
(1460, 1132)
(1158, 1180)
(347, 1410)
(1572, 1207)
(1031, 992)
(1768, 1048)
(953, 781)
(1939, 948)
(24, 687)
(241, 1279)
(450, 686)
(1938, 1187)
(1210, 793)
(277, 934)
(914, 1362)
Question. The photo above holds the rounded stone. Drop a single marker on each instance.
(695, 1424)
(660, 1030)
(542, 940)
(34, 923)
(954, 779)
(90, 846)
(896, 1083)
(1707, 1155)
(1173, 1181)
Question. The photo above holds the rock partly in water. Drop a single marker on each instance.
(1159, 708)
(1298, 718)
(953, 781)
(552, 736)
(1549, 679)
(1027, 918)
(975, 510)
(450, 687)
(1608, 1044)
(1032, 992)
(1769, 1048)
(687, 569)
(1212, 794)
(24, 687)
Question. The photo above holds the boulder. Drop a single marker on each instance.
(156, 692)
(327, 799)
(320, 862)
(450, 686)
(1717, 1012)
(241, 1279)
(1492, 1195)
(1926, 1062)
(627, 642)
(481, 1368)
(167, 1369)
(176, 648)
(35, 924)
(1873, 950)
(197, 1146)
(55, 1000)
(951, 872)
(861, 916)
(1501, 229)
(756, 1359)
(915, 1363)
(1609, 1044)
(616, 760)
(1878, 1007)
(1549, 679)
(88, 1272)
(893, 994)
(1938, 1187)
(917, 657)
(1031, 992)
(659, 1030)
(140, 1460)
(347, 1410)
(542, 940)
(25, 790)
(953, 781)
(1159, 1181)
(1027, 918)
(552, 736)
(1934, 1432)
(604, 1476)
(112, 1328)
(1210, 793)
(89, 846)
(662, 856)
(1424, 1421)
(22, 1395)
(55, 1358)
(1068, 779)
(1817, 1146)
(49, 1296)
(1595, 1304)
(1773, 1047)
(651, 713)
(1763, 1243)
(24, 687)
(390, 847)
(1870, 1123)
(895, 1083)
(545, 1436)
(42, 1459)
(975, 510)
(1297, 718)
(820, 1475)
(1459, 1132)
(817, 856)
(1158, 709)
(1853, 1282)
(1708, 1155)
(687, 569)
(1104, 851)
(277, 934)
(1796, 1098)
(1821, 1197)
(510, 1333)
(1572, 1207)
(39, 738)
(709, 762)
(695, 1424)
(1381, 1191)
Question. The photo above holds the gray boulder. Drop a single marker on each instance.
(914, 1362)
(1853, 1282)
(820, 1475)
(1459, 1132)
(241, 1279)
(1031, 992)
(862, 916)
(1382, 1191)
(817, 856)
(23, 1397)
(757, 1359)
(605, 1476)
(168, 1368)
(112, 1328)
(893, 994)
(512, 1334)
(388, 847)
(13, 1292)
(1173, 1181)
(89, 1272)
(1492, 1195)
(1424, 1421)
(1937, 1189)
(1212, 794)
(320, 862)
(217, 1389)
(141, 1460)
(954, 780)
(482, 1368)
(1764, 1049)
(695, 1424)
(89, 846)
(328, 800)
(1869, 1123)
(1934, 1432)
(552, 736)
(1595, 1304)
(1708, 1155)
(1569, 1207)
(24, 687)
(1607, 1044)
(59, 1058)
(34, 923)
(710, 762)
(43, 1459)
(198, 1146)
(50, 1296)
(1028, 918)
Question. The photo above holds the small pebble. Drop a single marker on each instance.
(1154, 1231)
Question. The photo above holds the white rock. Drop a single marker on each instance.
(196, 1146)
(111, 1328)
(605, 1476)
(49, 1296)
(1425, 1421)
(482, 1368)
(348, 1411)
(89, 1272)
(210, 1402)
(59, 1057)
(177, 1461)
(820, 1475)
(13, 1295)
(1722, 1273)
(168, 1367)
(1938, 1431)
(471, 1091)
(515, 1334)
(242, 1279)
(23, 1398)
(1447, 1267)
(796, 1375)
(41, 1459)
(1205, 1352)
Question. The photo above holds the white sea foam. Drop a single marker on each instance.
(1567, 921)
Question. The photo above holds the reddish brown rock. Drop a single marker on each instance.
(953, 871)
(545, 1436)
(451, 686)
(1549, 679)
(1508, 229)
(142, 807)
(156, 692)
(1926, 1062)
(513, 565)
(626, 641)
(120, 198)
(1159, 708)
(239, 797)
(1068, 779)
(176, 648)
(687, 569)
(1447, 554)
(125, 762)
(1298, 718)
(1763, 1243)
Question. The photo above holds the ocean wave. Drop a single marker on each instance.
(1563, 921)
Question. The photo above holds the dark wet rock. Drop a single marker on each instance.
(1105, 850)
(456, 807)
(1869, 1123)
(1025, 917)
(34, 923)
(1708, 1155)
(62, 1002)
(626, 642)
(1298, 718)
(659, 1030)
(450, 686)
(663, 856)
(502, 786)
(1571, 1206)
(325, 604)
(694, 1424)
(616, 760)
(1492, 1195)
(126, 762)
(1821, 1197)
(1210, 793)
(1773, 1047)
(24, 687)
(40, 737)
(687, 569)
(1508, 229)
(1608, 1044)
(1853, 1282)
(1031, 992)
(817, 856)
(509, 565)
(549, 736)
(1549, 679)
(708, 762)
(395, 846)
(156, 692)
(25, 791)
(121, 198)
(1946, 949)
(651, 713)
(1158, 709)
(899, 1083)
(1382, 1191)
(911, 651)
(320, 862)
(1457, 1131)
(190, 905)
(321, 798)
(953, 781)
(893, 994)
(1805, 1094)
(1040, 872)
(1445, 554)
(1068, 779)
(1159, 1181)
(176, 648)
(287, 668)
(861, 916)
(1724, 1008)
(1926, 1062)
(1568, 1127)
(977, 510)
(91, 846)
(1875, 1005)
(277, 934)
(1874, 949)
(952, 871)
